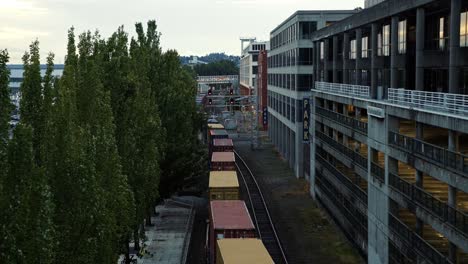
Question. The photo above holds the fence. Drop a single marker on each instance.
(440, 102)
(344, 89)
(342, 119)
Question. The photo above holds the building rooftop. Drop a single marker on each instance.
(223, 157)
(218, 132)
(215, 126)
(223, 179)
(314, 12)
(230, 215)
(243, 250)
(222, 142)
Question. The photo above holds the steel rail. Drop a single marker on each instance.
(275, 234)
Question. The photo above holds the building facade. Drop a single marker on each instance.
(290, 78)
(389, 129)
(249, 66)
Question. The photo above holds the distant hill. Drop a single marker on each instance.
(212, 57)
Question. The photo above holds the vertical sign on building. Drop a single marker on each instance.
(305, 119)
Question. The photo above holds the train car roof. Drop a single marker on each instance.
(218, 132)
(222, 142)
(223, 157)
(223, 179)
(243, 250)
(215, 126)
(232, 214)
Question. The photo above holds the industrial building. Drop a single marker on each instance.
(389, 129)
(290, 78)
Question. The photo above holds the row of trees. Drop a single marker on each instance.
(223, 67)
(95, 149)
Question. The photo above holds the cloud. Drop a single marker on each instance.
(11, 33)
(20, 8)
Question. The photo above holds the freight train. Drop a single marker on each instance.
(231, 237)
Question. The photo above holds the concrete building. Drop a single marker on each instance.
(249, 65)
(16, 74)
(389, 129)
(290, 78)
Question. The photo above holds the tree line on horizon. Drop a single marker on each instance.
(96, 149)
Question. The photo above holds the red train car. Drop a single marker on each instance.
(216, 134)
(229, 219)
(223, 161)
(222, 145)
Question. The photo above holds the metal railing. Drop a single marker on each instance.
(440, 102)
(354, 189)
(449, 159)
(343, 119)
(378, 172)
(436, 207)
(344, 89)
(415, 242)
(353, 155)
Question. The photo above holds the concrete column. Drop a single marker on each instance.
(345, 57)
(373, 88)
(346, 113)
(317, 61)
(335, 132)
(359, 56)
(357, 112)
(325, 60)
(299, 150)
(454, 46)
(394, 54)
(453, 145)
(420, 28)
(419, 177)
(335, 59)
(287, 143)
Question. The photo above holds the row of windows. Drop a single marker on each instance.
(283, 105)
(293, 57)
(294, 82)
(300, 30)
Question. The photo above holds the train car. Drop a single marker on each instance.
(223, 185)
(228, 219)
(222, 145)
(243, 250)
(215, 126)
(223, 161)
(216, 134)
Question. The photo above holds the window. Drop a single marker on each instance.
(305, 56)
(442, 33)
(402, 37)
(386, 40)
(365, 47)
(255, 58)
(352, 52)
(322, 50)
(464, 29)
(379, 44)
(306, 29)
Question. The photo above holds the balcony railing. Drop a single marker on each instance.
(342, 119)
(353, 155)
(436, 207)
(446, 158)
(440, 102)
(415, 242)
(378, 172)
(361, 195)
(344, 89)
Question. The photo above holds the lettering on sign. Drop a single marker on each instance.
(375, 112)
(265, 116)
(306, 119)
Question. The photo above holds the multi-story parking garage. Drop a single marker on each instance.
(390, 129)
(290, 77)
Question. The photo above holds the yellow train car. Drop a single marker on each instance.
(223, 185)
(242, 250)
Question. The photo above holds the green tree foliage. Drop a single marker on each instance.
(93, 145)
(5, 111)
(223, 67)
(31, 96)
(27, 230)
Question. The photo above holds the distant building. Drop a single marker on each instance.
(369, 3)
(249, 65)
(195, 61)
(16, 74)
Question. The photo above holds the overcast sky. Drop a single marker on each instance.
(192, 27)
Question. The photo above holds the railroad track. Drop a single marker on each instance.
(260, 214)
